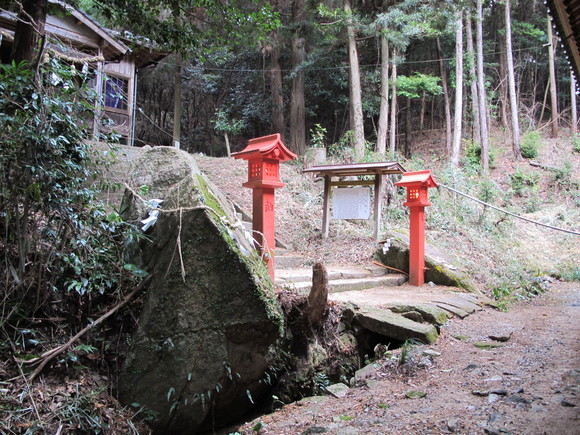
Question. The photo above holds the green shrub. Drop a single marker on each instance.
(58, 237)
(524, 182)
(576, 143)
(530, 144)
(318, 136)
(473, 154)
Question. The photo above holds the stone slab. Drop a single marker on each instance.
(460, 303)
(431, 313)
(457, 311)
(395, 326)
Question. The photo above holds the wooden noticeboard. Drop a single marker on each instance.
(339, 172)
(351, 203)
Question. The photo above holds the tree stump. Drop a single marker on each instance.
(318, 297)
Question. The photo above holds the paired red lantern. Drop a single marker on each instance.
(417, 184)
(264, 155)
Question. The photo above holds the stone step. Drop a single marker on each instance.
(334, 272)
(346, 284)
(288, 262)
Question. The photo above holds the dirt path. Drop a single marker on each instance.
(529, 385)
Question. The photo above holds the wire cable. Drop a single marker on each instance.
(510, 213)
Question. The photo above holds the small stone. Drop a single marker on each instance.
(567, 403)
(365, 372)
(487, 345)
(452, 425)
(314, 429)
(481, 393)
(499, 392)
(431, 352)
(492, 398)
(494, 379)
(412, 394)
(471, 367)
(431, 284)
(517, 399)
(338, 390)
(502, 337)
(538, 408)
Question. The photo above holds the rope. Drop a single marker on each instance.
(510, 213)
(88, 59)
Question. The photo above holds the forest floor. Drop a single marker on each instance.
(530, 383)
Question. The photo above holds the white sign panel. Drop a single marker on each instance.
(352, 203)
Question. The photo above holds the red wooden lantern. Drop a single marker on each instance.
(417, 184)
(264, 155)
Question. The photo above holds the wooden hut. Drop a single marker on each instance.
(75, 37)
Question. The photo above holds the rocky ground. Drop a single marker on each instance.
(493, 372)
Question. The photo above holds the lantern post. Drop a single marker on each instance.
(264, 155)
(417, 184)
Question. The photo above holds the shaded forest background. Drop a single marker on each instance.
(252, 88)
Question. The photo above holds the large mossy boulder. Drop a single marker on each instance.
(209, 318)
(440, 268)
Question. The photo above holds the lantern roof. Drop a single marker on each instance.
(417, 178)
(266, 147)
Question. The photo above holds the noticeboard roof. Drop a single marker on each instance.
(354, 169)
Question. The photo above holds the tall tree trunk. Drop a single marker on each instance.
(422, 114)
(384, 110)
(408, 128)
(393, 129)
(481, 89)
(574, 120)
(356, 112)
(447, 103)
(278, 125)
(512, 83)
(473, 81)
(177, 102)
(29, 30)
(503, 85)
(458, 115)
(297, 110)
(553, 91)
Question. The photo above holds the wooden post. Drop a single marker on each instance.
(326, 207)
(263, 220)
(417, 246)
(378, 204)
